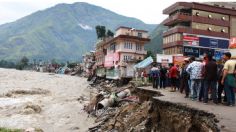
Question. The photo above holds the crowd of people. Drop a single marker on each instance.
(201, 80)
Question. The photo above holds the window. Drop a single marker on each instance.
(127, 57)
(139, 47)
(140, 35)
(128, 45)
(112, 47)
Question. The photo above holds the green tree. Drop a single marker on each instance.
(24, 61)
(110, 33)
(101, 31)
(98, 31)
(150, 53)
(7, 64)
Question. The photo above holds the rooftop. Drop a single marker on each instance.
(131, 29)
(211, 6)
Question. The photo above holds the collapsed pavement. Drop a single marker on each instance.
(137, 110)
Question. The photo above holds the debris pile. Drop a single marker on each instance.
(116, 108)
(129, 109)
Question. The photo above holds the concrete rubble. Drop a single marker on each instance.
(128, 109)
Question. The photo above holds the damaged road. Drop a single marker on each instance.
(139, 111)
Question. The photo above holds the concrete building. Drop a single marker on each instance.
(198, 28)
(125, 48)
(88, 63)
(129, 43)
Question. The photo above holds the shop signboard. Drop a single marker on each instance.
(232, 47)
(191, 51)
(178, 60)
(232, 43)
(110, 59)
(191, 40)
(213, 43)
(165, 60)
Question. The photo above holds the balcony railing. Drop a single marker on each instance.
(131, 51)
(185, 29)
(176, 27)
(180, 16)
(187, 17)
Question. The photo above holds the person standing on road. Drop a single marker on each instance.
(185, 78)
(173, 76)
(210, 79)
(142, 75)
(178, 77)
(163, 72)
(155, 76)
(220, 86)
(145, 76)
(201, 93)
(228, 78)
(195, 71)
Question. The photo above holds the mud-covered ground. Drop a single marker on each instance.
(50, 102)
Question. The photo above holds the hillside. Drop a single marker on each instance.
(155, 45)
(62, 32)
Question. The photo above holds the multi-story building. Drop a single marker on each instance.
(197, 28)
(128, 43)
(88, 63)
(124, 49)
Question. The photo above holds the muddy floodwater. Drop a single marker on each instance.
(42, 100)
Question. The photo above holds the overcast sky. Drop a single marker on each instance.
(149, 11)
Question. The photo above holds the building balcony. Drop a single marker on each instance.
(206, 20)
(133, 51)
(172, 44)
(143, 52)
(186, 17)
(189, 30)
(178, 17)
